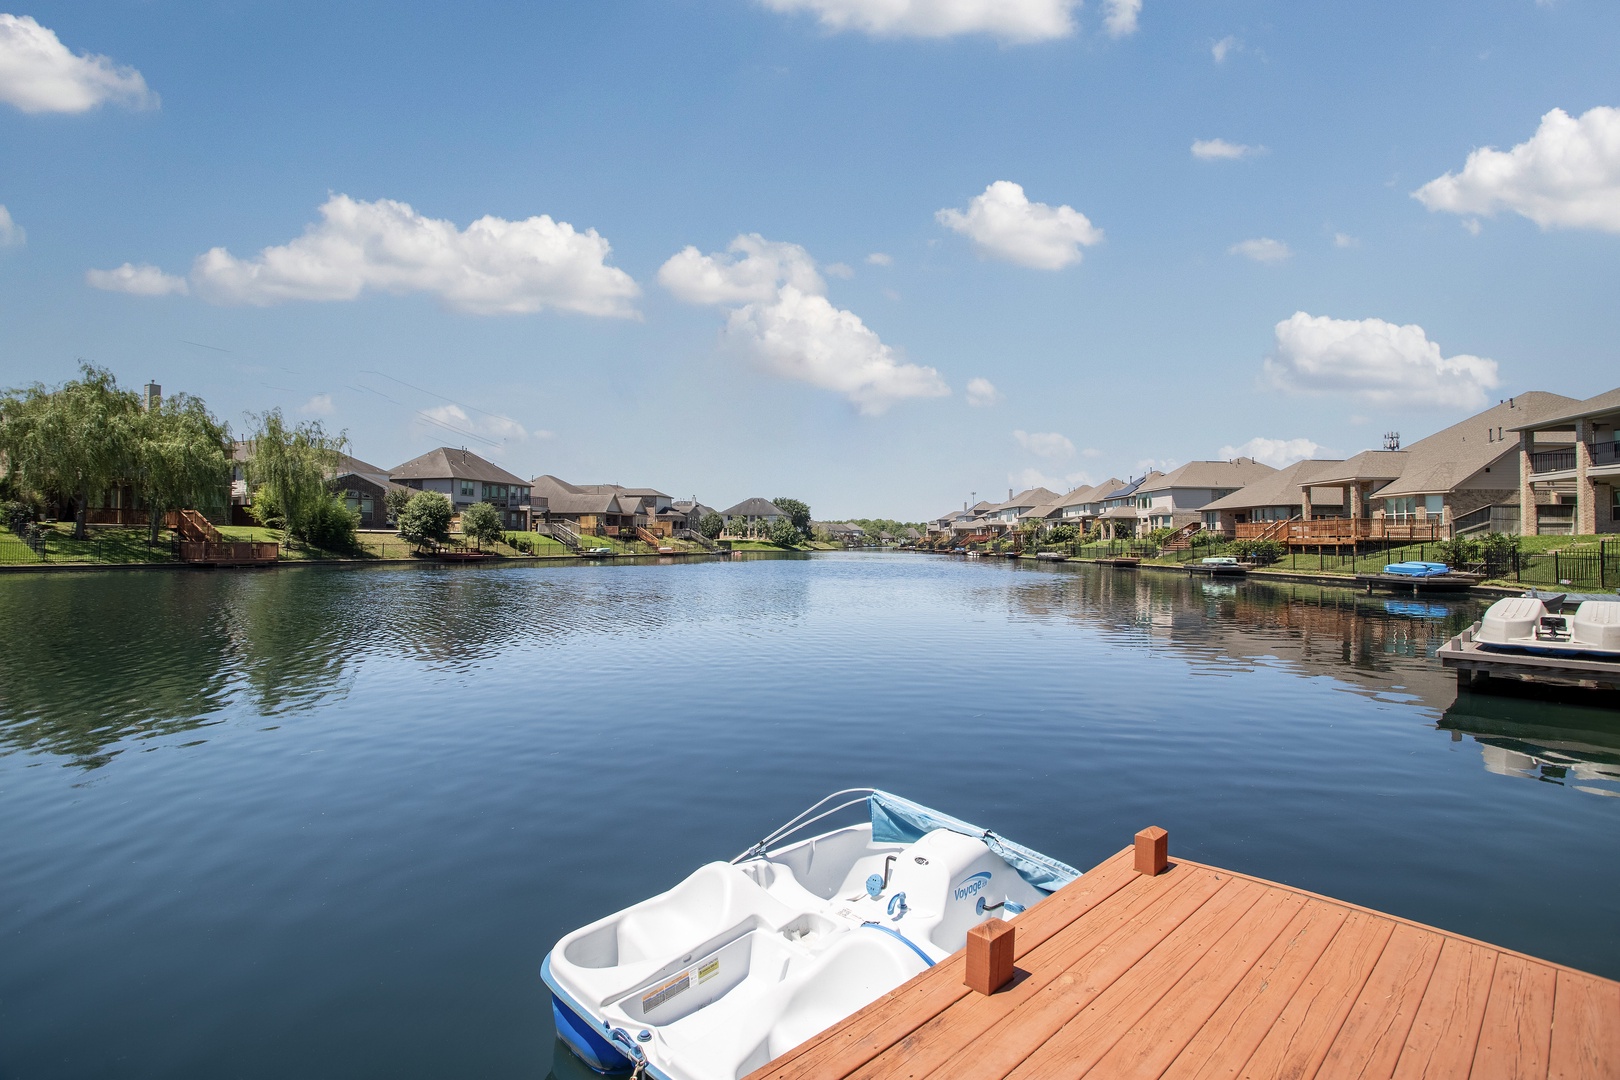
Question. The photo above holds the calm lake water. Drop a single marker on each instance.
(326, 823)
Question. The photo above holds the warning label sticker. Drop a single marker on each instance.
(709, 970)
(678, 985)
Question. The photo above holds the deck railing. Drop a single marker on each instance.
(228, 552)
(1546, 461)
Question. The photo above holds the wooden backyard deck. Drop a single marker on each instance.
(1201, 972)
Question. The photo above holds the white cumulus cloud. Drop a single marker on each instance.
(982, 393)
(11, 233)
(489, 428)
(1274, 452)
(1221, 150)
(752, 269)
(1046, 444)
(38, 74)
(1035, 478)
(1003, 222)
(1261, 249)
(319, 405)
(1345, 240)
(142, 280)
(493, 267)
(781, 319)
(878, 258)
(1375, 361)
(1566, 176)
(801, 336)
(1120, 17)
(1010, 20)
(1224, 47)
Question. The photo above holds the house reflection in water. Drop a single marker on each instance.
(1576, 746)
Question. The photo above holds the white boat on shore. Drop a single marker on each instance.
(1523, 624)
(744, 960)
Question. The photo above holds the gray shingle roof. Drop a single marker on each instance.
(1608, 401)
(1444, 460)
(1035, 496)
(1281, 488)
(754, 508)
(449, 463)
(1209, 474)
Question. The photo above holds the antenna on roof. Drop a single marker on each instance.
(1392, 440)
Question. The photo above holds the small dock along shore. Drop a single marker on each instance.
(1452, 582)
(1475, 666)
(1151, 967)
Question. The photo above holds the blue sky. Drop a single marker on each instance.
(1014, 199)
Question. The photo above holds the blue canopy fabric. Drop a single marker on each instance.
(900, 821)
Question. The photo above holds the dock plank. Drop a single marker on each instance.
(1374, 1034)
(950, 1040)
(1445, 1031)
(1234, 1032)
(1299, 1040)
(847, 1046)
(1586, 1028)
(1158, 1037)
(1199, 973)
(1515, 1037)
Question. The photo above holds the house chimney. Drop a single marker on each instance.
(1009, 494)
(153, 397)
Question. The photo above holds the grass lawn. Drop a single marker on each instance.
(107, 546)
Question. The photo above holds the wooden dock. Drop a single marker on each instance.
(1476, 666)
(1199, 972)
(1452, 582)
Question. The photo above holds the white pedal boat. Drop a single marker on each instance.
(744, 960)
(1523, 624)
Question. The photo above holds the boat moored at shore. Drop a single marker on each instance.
(742, 961)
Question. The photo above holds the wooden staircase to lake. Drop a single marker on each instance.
(203, 545)
(1181, 539)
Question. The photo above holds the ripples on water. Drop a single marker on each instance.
(326, 823)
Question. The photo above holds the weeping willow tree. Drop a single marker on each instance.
(181, 458)
(71, 442)
(287, 472)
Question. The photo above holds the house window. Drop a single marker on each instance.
(468, 489)
(1614, 507)
(366, 506)
(1401, 509)
(495, 492)
(1434, 505)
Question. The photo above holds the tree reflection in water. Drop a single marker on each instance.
(93, 659)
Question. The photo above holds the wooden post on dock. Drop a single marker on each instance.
(1152, 851)
(990, 956)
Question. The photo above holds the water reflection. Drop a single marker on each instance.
(91, 660)
(1571, 745)
(1370, 644)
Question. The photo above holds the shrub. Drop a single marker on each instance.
(520, 542)
(16, 516)
(1062, 534)
(1460, 551)
(1258, 551)
(426, 518)
(1160, 535)
(712, 525)
(785, 534)
(481, 523)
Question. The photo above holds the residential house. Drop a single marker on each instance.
(364, 488)
(1003, 517)
(843, 532)
(1174, 499)
(691, 513)
(466, 479)
(1082, 506)
(751, 513)
(1569, 469)
(1463, 477)
(1120, 514)
(1258, 510)
(609, 509)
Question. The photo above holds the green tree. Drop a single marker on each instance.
(481, 523)
(1062, 534)
(712, 525)
(181, 461)
(784, 533)
(287, 472)
(72, 442)
(798, 512)
(395, 501)
(426, 518)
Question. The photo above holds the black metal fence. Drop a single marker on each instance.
(1590, 566)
